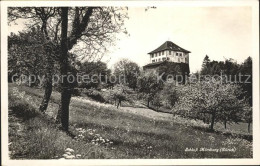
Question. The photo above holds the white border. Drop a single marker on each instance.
(4, 85)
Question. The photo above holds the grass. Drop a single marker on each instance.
(33, 135)
(240, 128)
(128, 135)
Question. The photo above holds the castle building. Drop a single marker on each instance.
(167, 52)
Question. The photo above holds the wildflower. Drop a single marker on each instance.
(69, 150)
(149, 147)
(70, 157)
(78, 155)
(78, 129)
(68, 153)
(211, 138)
(65, 155)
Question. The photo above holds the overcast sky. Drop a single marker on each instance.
(219, 32)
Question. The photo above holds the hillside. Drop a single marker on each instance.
(102, 131)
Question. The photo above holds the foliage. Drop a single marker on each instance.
(170, 93)
(149, 85)
(118, 94)
(96, 95)
(129, 70)
(247, 116)
(230, 70)
(97, 75)
(214, 98)
(157, 100)
(247, 80)
(172, 70)
(95, 28)
(26, 50)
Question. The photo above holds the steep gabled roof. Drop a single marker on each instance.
(168, 45)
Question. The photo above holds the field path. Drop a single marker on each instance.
(148, 113)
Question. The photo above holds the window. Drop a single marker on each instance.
(152, 55)
(163, 59)
(162, 52)
(179, 60)
(170, 52)
(153, 61)
(168, 58)
(177, 54)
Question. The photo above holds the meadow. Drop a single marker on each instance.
(100, 130)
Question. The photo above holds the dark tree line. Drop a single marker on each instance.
(232, 70)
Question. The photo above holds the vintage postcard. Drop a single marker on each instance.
(130, 82)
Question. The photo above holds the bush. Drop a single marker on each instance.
(21, 107)
(94, 94)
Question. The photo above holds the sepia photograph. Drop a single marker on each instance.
(135, 80)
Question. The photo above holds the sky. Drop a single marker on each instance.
(219, 32)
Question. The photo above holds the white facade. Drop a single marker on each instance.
(172, 56)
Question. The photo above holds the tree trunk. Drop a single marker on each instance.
(204, 118)
(47, 96)
(48, 76)
(148, 103)
(48, 85)
(225, 124)
(212, 121)
(248, 127)
(118, 104)
(63, 112)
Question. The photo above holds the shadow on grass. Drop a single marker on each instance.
(247, 137)
(23, 110)
(228, 134)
